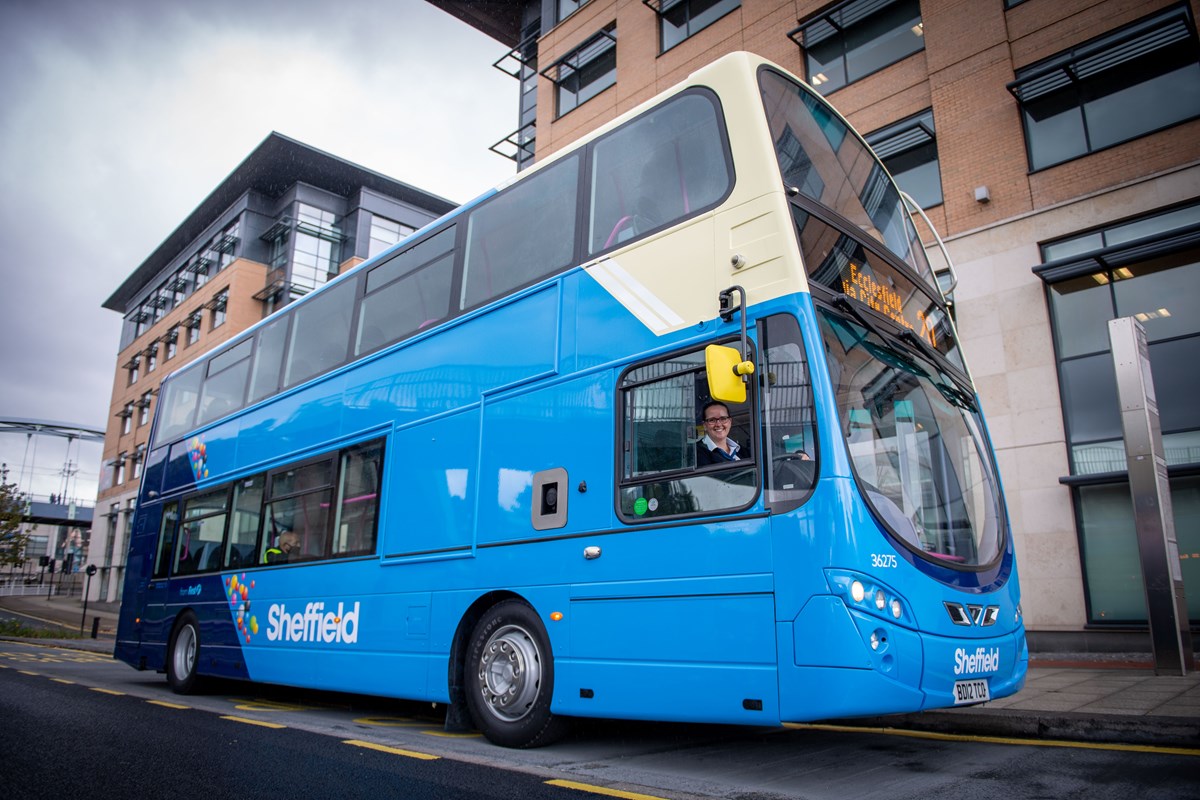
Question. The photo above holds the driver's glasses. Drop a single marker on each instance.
(716, 420)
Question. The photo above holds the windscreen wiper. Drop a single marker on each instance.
(956, 395)
(844, 302)
(919, 342)
(948, 386)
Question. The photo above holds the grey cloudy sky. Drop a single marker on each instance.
(117, 118)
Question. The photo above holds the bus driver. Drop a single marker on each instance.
(288, 541)
(716, 447)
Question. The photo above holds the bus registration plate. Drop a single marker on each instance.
(973, 691)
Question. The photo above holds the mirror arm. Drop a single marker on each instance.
(726, 311)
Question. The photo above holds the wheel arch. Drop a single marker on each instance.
(457, 716)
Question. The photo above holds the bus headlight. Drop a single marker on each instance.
(869, 595)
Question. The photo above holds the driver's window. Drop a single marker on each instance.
(683, 453)
(788, 412)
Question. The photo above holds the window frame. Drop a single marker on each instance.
(554, 72)
(177, 558)
(1039, 80)
(587, 206)
(624, 434)
(232, 489)
(219, 306)
(802, 33)
(662, 8)
(906, 136)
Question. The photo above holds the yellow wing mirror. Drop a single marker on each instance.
(726, 373)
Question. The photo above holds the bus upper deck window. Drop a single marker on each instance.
(657, 170)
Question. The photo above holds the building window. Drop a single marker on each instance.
(586, 71)
(857, 38)
(178, 286)
(1147, 268)
(193, 329)
(218, 306)
(172, 343)
(385, 233)
(144, 408)
(138, 456)
(680, 19)
(152, 359)
(315, 248)
(568, 7)
(133, 366)
(109, 545)
(225, 244)
(143, 318)
(522, 63)
(1118, 87)
(909, 151)
(119, 466)
(199, 267)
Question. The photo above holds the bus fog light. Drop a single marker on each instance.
(896, 609)
(874, 641)
(857, 592)
(880, 600)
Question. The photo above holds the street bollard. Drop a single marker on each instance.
(95, 626)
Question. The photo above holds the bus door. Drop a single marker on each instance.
(686, 591)
(155, 626)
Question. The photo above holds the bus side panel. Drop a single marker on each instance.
(431, 509)
(695, 600)
(567, 425)
(697, 658)
(206, 597)
(293, 423)
(352, 629)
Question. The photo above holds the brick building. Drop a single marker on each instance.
(286, 220)
(1055, 145)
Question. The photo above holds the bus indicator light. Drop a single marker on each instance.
(556, 616)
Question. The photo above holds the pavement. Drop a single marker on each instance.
(1096, 698)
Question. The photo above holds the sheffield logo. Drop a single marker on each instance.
(313, 624)
(980, 661)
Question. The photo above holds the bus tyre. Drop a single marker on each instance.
(183, 655)
(510, 678)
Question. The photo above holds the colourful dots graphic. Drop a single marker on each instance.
(238, 591)
(198, 458)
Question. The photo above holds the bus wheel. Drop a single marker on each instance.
(183, 655)
(510, 678)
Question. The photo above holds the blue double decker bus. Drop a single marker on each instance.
(673, 426)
